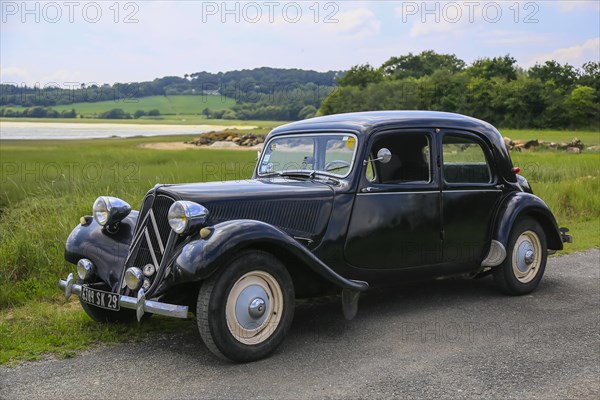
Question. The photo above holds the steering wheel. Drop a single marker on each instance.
(342, 164)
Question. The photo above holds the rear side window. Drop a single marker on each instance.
(464, 160)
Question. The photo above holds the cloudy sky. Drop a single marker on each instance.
(63, 42)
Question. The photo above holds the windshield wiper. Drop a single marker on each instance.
(298, 174)
(304, 174)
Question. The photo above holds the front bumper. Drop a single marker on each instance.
(139, 304)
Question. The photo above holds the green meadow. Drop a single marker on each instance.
(167, 105)
(47, 185)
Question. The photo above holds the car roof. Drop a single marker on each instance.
(369, 121)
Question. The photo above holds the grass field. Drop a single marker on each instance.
(46, 186)
(178, 105)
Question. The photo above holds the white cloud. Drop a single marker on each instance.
(574, 5)
(13, 74)
(355, 24)
(574, 55)
(512, 38)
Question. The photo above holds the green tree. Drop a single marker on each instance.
(582, 107)
(425, 63)
(499, 67)
(307, 112)
(139, 114)
(564, 76)
(229, 114)
(153, 113)
(361, 75)
(115, 113)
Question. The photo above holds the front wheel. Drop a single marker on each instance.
(245, 311)
(525, 263)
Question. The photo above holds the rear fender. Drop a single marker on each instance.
(518, 205)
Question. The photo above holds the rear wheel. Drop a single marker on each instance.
(525, 263)
(245, 311)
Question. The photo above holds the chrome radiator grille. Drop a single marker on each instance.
(150, 243)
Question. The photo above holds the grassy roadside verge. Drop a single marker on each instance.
(39, 330)
(47, 186)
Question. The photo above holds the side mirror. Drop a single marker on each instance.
(384, 155)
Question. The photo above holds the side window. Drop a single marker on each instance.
(464, 160)
(410, 162)
(370, 173)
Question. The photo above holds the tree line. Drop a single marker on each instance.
(38, 112)
(240, 85)
(548, 95)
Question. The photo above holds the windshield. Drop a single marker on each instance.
(332, 154)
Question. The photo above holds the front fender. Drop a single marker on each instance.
(108, 251)
(202, 257)
(519, 204)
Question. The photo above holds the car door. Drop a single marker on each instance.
(470, 192)
(396, 218)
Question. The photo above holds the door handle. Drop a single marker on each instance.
(370, 189)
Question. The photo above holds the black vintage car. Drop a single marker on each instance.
(339, 203)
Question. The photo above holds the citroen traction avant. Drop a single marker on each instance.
(336, 204)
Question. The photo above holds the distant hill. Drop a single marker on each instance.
(166, 105)
(234, 84)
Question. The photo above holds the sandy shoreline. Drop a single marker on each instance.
(85, 125)
(65, 130)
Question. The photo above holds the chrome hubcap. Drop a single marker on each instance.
(254, 307)
(529, 257)
(524, 255)
(525, 258)
(250, 306)
(257, 308)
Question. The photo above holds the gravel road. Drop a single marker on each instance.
(442, 339)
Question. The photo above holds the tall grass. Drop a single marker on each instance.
(45, 189)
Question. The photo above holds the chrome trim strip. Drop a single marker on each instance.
(495, 256)
(139, 303)
(470, 190)
(151, 248)
(156, 231)
(435, 191)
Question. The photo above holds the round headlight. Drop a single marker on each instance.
(185, 216)
(134, 278)
(85, 269)
(110, 210)
(100, 211)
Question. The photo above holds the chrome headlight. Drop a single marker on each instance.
(110, 210)
(134, 278)
(85, 269)
(185, 216)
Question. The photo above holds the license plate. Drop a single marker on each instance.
(99, 298)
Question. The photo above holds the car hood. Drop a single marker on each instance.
(299, 207)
